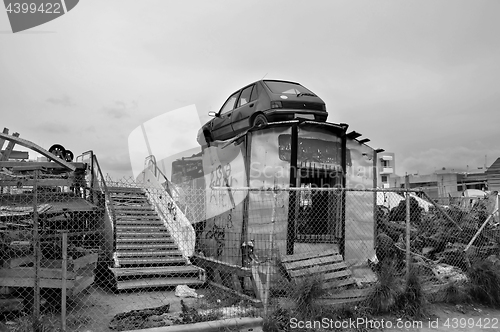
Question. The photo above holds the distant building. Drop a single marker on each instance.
(386, 169)
(493, 176)
(445, 184)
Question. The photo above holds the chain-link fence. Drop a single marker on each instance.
(121, 255)
(51, 233)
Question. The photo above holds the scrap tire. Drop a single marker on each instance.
(68, 156)
(260, 121)
(57, 150)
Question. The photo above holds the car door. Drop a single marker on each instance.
(221, 124)
(245, 107)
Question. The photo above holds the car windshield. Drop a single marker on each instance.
(287, 88)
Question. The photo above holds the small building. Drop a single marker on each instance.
(386, 168)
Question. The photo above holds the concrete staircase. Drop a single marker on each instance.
(146, 255)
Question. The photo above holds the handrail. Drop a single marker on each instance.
(156, 169)
(170, 187)
(108, 198)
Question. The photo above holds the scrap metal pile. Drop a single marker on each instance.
(445, 239)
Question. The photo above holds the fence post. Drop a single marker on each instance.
(64, 268)
(407, 187)
(265, 300)
(36, 252)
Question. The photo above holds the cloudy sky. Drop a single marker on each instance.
(420, 79)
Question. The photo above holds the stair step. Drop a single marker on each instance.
(135, 212)
(141, 228)
(143, 235)
(135, 207)
(145, 254)
(157, 282)
(139, 222)
(124, 189)
(152, 260)
(139, 217)
(158, 240)
(160, 270)
(145, 247)
(129, 196)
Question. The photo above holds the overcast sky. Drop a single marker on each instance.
(419, 78)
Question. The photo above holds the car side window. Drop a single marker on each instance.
(245, 96)
(255, 93)
(229, 105)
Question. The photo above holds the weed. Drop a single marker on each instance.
(278, 321)
(387, 289)
(25, 324)
(456, 293)
(484, 283)
(306, 291)
(412, 301)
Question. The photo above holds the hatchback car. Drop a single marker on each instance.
(259, 103)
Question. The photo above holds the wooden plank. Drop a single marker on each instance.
(28, 167)
(84, 261)
(30, 282)
(9, 148)
(229, 290)
(81, 283)
(15, 262)
(2, 140)
(332, 275)
(308, 255)
(14, 154)
(339, 283)
(258, 287)
(41, 182)
(318, 269)
(45, 164)
(236, 283)
(29, 272)
(39, 149)
(217, 277)
(206, 262)
(313, 262)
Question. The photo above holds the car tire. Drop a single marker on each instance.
(260, 121)
(208, 137)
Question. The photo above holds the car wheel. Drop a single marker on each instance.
(208, 137)
(260, 121)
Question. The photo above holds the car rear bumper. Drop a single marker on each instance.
(291, 114)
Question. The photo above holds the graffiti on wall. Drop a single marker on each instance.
(216, 233)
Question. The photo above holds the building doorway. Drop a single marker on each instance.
(318, 213)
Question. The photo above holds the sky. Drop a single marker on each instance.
(418, 78)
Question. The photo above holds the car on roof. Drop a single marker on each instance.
(259, 103)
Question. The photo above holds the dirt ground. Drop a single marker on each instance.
(95, 308)
(445, 317)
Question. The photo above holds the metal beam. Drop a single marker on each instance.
(39, 149)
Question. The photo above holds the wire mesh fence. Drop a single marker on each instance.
(127, 255)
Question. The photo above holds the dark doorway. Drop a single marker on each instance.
(318, 212)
